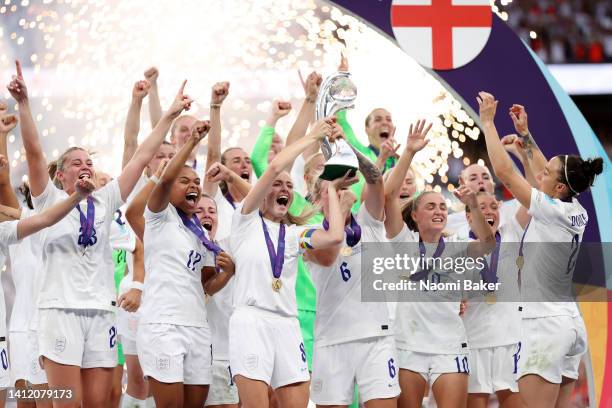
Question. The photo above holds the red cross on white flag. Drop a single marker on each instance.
(442, 34)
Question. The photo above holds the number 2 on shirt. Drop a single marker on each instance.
(194, 258)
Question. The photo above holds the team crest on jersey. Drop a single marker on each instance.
(60, 344)
(162, 363)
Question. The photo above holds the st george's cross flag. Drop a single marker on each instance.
(442, 34)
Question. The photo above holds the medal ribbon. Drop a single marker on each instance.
(489, 273)
(353, 231)
(277, 259)
(422, 274)
(87, 232)
(194, 226)
(230, 199)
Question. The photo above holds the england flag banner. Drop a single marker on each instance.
(442, 34)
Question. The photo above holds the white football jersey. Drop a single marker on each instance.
(341, 315)
(498, 324)
(219, 307)
(433, 326)
(225, 212)
(26, 266)
(253, 279)
(548, 270)
(76, 277)
(457, 222)
(174, 258)
(8, 236)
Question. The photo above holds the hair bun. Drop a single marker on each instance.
(593, 167)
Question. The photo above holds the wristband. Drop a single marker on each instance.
(310, 100)
(215, 106)
(154, 179)
(136, 285)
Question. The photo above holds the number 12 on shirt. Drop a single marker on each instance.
(194, 258)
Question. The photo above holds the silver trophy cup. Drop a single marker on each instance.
(337, 92)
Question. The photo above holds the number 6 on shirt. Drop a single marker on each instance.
(345, 272)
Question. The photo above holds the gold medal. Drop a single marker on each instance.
(490, 298)
(520, 261)
(346, 251)
(276, 285)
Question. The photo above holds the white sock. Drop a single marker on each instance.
(150, 402)
(130, 402)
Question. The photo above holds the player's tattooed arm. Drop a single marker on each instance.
(536, 158)
(371, 173)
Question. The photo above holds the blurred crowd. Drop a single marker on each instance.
(564, 31)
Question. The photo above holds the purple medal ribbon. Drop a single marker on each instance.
(277, 259)
(230, 199)
(353, 231)
(194, 226)
(489, 274)
(422, 274)
(87, 232)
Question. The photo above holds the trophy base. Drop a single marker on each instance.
(336, 171)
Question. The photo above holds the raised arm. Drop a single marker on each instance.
(132, 122)
(514, 145)
(388, 149)
(155, 110)
(261, 149)
(7, 194)
(414, 143)
(322, 239)
(281, 161)
(37, 164)
(160, 197)
(218, 172)
(307, 111)
(55, 213)
(134, 214)
(373, 193)
(133, 170)
(219, 92)
(535, 157)
(503, 167)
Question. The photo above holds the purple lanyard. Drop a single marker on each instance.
(353, 231)
(87, 232)
(230, 199)
(194, 226)
(276, 259)
(422, 274)
(489, 274)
